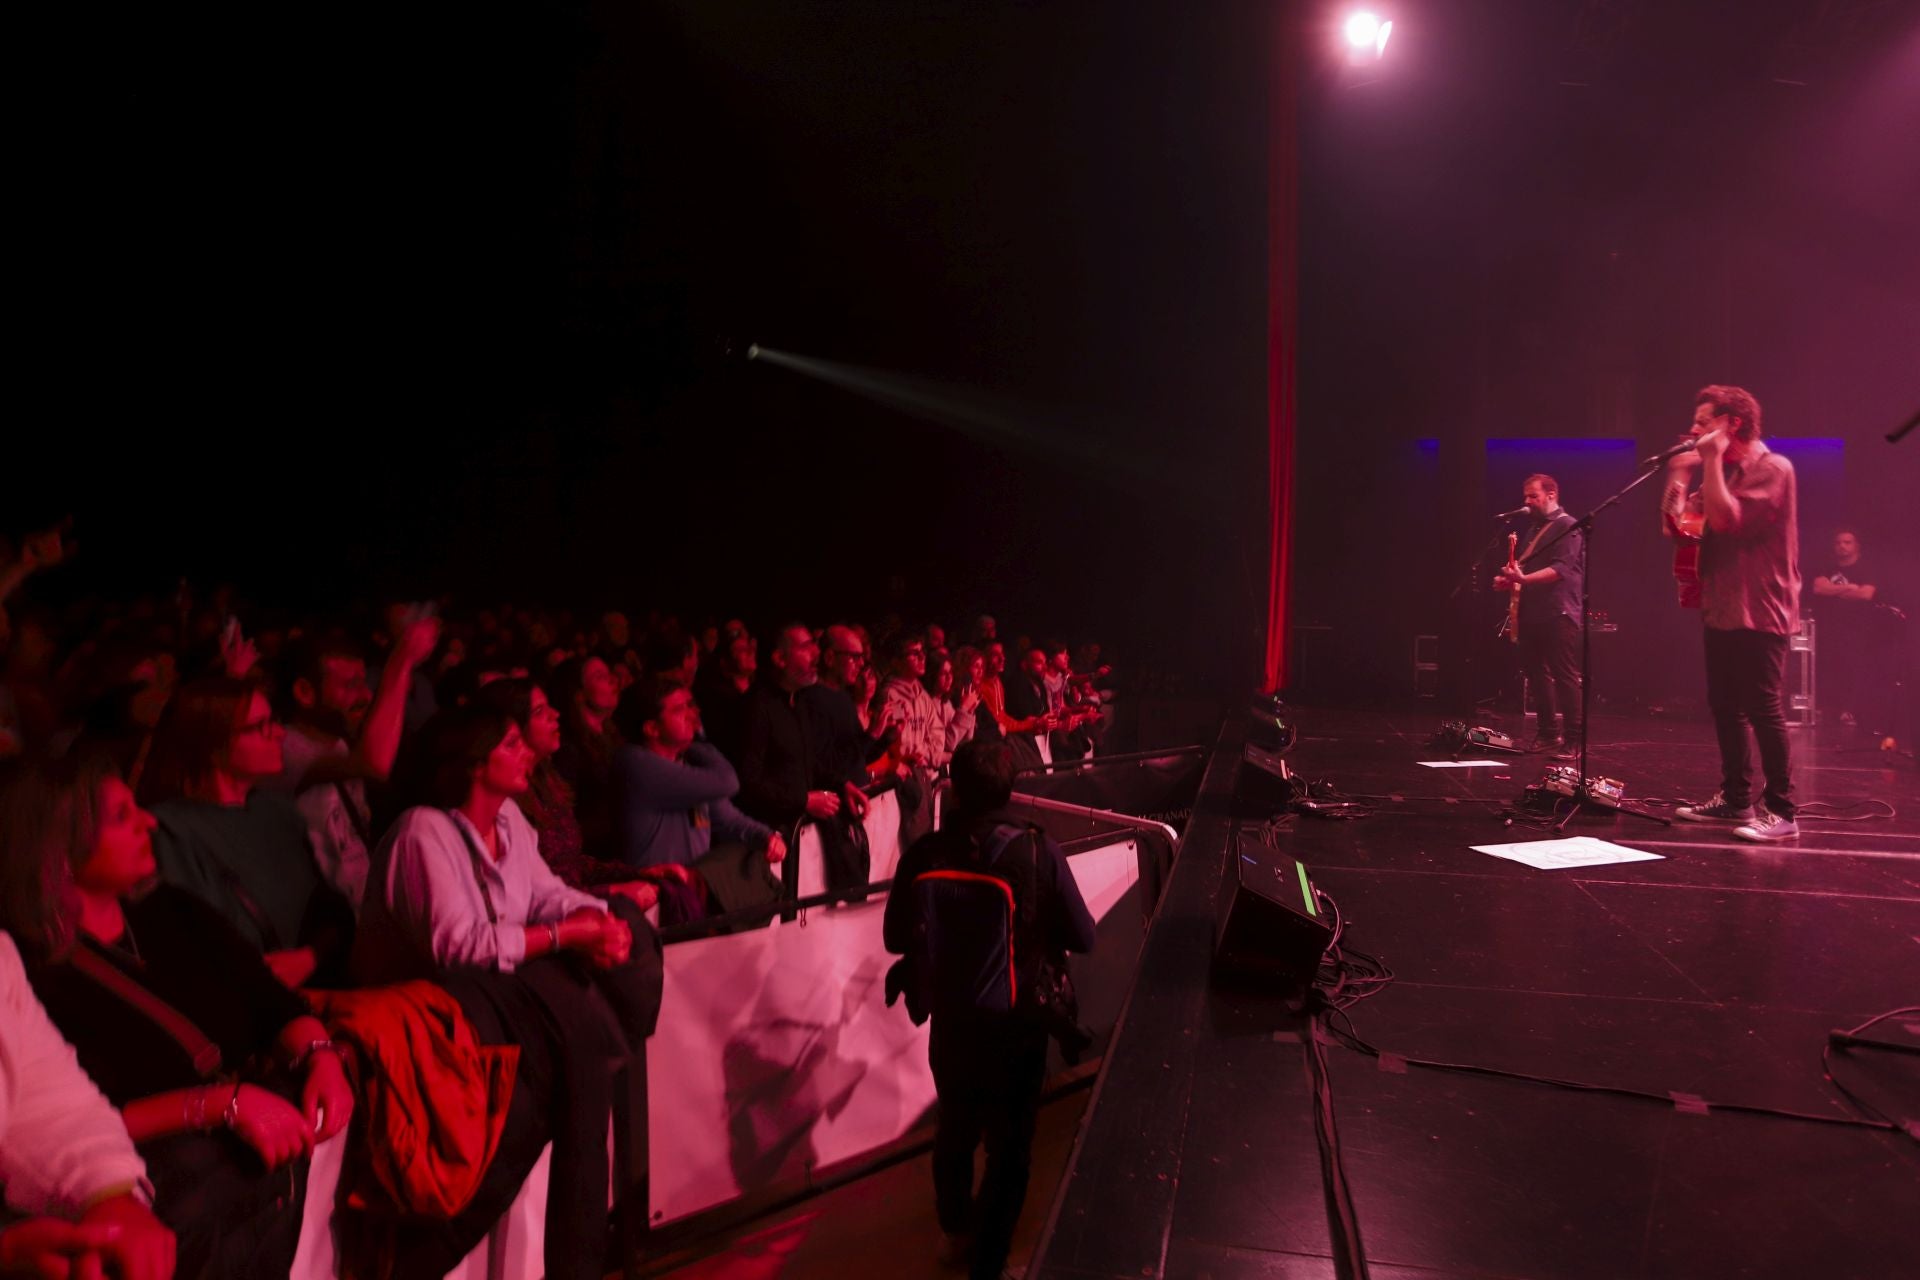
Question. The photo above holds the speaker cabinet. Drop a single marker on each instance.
(1272, 929)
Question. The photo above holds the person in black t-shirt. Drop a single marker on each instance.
(1851, 665)
(1547, 571)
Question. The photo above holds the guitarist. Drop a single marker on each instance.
(1548, 578)
(1749, 601)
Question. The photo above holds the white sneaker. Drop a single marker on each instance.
(1767, 828)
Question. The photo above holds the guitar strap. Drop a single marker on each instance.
(1538, 534)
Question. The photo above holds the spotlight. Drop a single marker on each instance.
(1366, 35)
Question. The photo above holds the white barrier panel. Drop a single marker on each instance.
(883, 846)
(776, 1053)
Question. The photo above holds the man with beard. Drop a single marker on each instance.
(784, 774)
(340, 734)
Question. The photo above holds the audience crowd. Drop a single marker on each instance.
(265, 881)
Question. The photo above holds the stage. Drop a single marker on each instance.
(1708, 977)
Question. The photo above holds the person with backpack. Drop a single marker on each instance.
(984, 911)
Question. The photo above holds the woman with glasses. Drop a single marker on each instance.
(238, 847)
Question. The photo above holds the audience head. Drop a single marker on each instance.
(985, 629)
(983, 770)
(1846, 546)
(1058, 659)
(525, 701)
(67, 829)
(843, 657)
(936, 637)
(969, 667)
(471, 751)
(740, 655)
(615, 630)
(216, 740)
(1035, 662)
(674, 656)
(584, 689)
(909, 660)
(995, 654)
(660, 714)
(326, 685)
(795, 657)
(939, 678)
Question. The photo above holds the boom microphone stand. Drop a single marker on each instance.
(1583, 792)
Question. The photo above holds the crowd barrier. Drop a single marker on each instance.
(777, 1058)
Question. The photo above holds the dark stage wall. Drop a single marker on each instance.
(394, 299)
(469, 272)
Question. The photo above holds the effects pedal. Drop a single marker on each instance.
(1564, 780)
(1456, 737)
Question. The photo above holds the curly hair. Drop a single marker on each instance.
(1737, 403)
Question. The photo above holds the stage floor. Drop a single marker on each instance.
(1716, 971)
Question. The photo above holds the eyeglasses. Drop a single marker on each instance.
(860, 654)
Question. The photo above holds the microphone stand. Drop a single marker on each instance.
(1582, 797)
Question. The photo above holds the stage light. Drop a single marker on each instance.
(1366, 34)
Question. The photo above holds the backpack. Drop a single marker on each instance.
(976, 913)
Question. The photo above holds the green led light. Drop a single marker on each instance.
(1306, 890)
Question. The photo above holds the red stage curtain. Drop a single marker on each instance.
(1283, 313)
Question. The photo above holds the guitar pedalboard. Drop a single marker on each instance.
(1564, 780)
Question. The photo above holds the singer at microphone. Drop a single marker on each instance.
(1687, 445)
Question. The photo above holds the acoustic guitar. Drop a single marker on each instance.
(1686, 529)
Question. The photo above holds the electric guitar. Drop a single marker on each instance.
(1686, 529)
(1512, 628)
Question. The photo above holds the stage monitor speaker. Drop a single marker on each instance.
(1265, 781)
(1272, 929)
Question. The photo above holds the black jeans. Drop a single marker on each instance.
(1746, 675)
(1550, 655)
(988, 1073)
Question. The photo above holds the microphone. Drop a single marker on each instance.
(1517, 511)
(1687, 445)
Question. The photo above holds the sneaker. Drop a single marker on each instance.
(1714, 810)
(1568, 750)
(1767, 828)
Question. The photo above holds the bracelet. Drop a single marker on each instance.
(231, 1116)
(553, 936)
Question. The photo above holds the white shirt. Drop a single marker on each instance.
(62, 1144)
(425, 910)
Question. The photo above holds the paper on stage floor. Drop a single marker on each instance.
(1574, 851)
(1460, 764)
